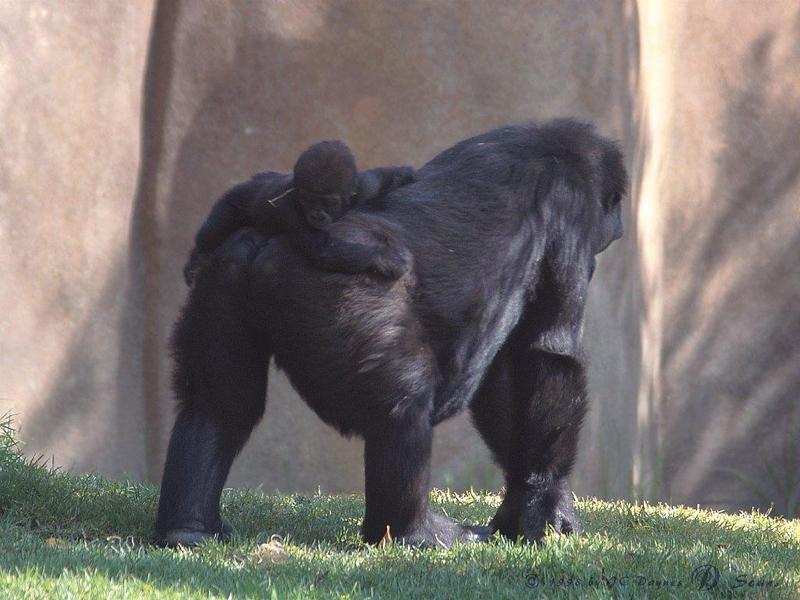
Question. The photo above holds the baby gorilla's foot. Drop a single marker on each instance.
(438, 531)
(392, 262)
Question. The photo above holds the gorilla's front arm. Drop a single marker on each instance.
(500, 233)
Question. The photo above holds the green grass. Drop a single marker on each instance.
(66, 536)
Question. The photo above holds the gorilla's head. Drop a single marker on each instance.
(325, 179)
(613, 188)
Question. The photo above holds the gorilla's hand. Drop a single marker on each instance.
(528, 513)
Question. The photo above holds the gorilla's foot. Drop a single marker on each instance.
(190, 537)
(438, 531)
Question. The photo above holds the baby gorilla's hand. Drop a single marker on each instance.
(404, 176)
(197, 260)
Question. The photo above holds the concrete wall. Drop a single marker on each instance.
(122, 123)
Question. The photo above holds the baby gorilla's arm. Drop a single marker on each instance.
(227, 215)
(231, 212)
(376, 183)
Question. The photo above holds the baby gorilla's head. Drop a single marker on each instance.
(325, 179)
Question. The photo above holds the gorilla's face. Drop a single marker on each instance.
(321, 210)
(611, 228)
(613, 180)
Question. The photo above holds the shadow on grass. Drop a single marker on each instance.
(562, 567)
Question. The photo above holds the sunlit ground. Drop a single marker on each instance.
(63, 536)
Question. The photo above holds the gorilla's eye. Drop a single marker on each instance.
(612, 200)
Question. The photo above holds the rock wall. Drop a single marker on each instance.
(122, 123)
(70, 295)
(720, 226)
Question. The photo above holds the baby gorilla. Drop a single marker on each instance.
(325, 184)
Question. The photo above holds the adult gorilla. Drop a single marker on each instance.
(500, 232)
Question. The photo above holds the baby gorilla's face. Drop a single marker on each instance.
(325, 176)
(321, 210)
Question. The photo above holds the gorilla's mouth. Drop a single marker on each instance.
(319, 219)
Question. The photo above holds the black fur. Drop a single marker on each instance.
(327, 167)
(324, 186)
(501, 232)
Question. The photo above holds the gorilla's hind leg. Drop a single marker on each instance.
(397, 455)
(220, 382)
